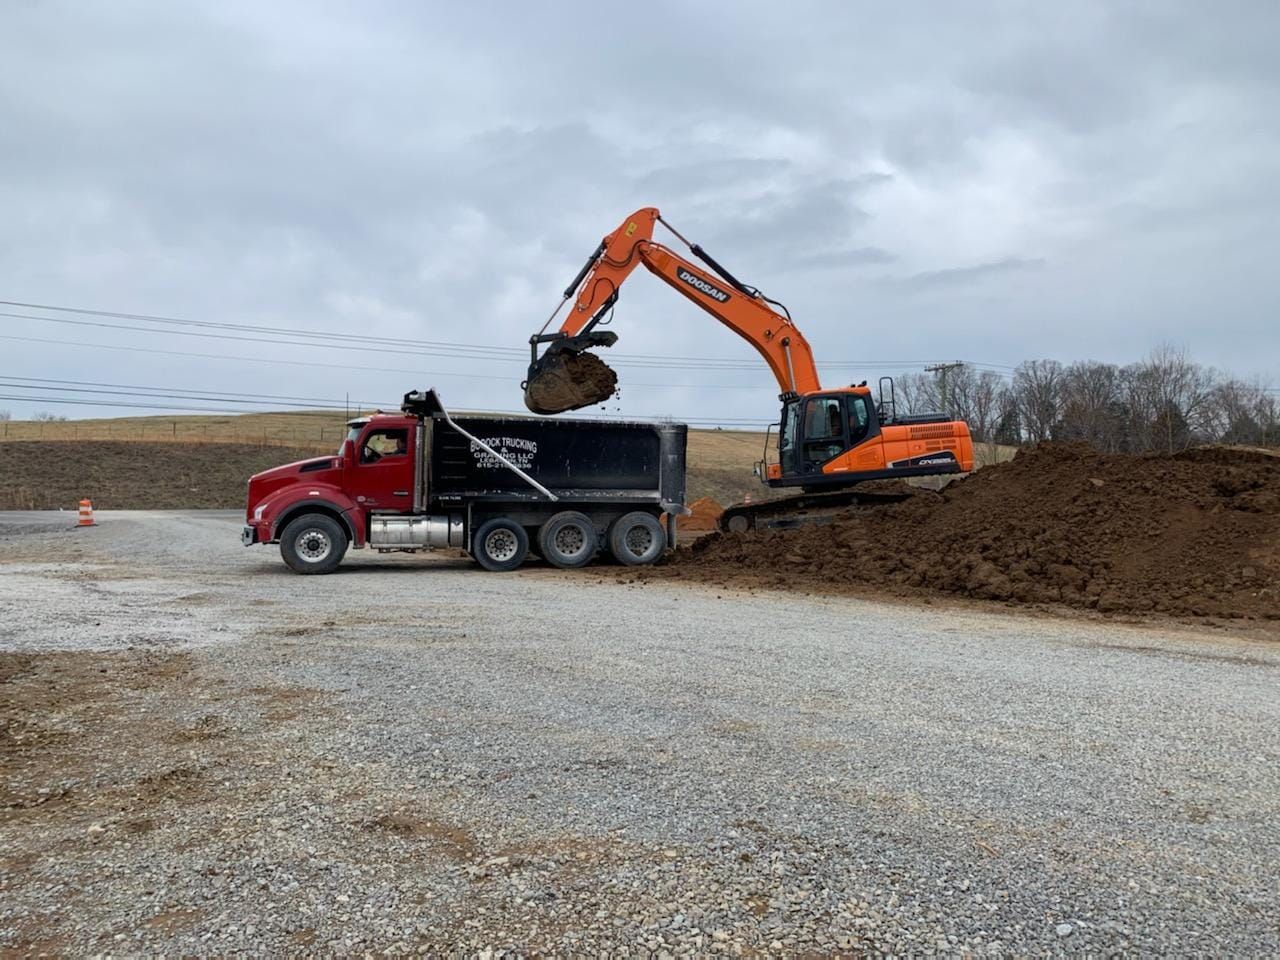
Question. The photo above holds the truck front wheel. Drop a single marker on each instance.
(313, 543)
(636, 539)
(500, 545)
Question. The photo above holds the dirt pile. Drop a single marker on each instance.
(704, 515)
(132, 475)
(1196, 534)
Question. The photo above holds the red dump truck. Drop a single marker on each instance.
(492, 486)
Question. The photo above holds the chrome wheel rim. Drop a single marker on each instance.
(314, 545)
(500, 545)
(570, 540)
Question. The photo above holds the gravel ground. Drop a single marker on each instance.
(204, 753)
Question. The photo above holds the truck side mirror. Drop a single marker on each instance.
(348, 451)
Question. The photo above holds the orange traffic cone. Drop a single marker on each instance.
(86, 514)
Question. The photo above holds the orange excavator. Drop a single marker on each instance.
(829, 440)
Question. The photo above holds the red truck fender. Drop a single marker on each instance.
(283, 505)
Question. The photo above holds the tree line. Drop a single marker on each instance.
(1163, 403)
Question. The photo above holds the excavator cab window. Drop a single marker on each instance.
(859, 418)
(788, 433)
(824, 435)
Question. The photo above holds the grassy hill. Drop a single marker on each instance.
(320, 430)
(203, 460)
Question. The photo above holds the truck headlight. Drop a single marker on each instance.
(257, 511)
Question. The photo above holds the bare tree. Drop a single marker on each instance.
(916, 393)
(1166, 402)
(1037, 386)
(44, 416)
(1169, 401)
(961, 382)
(1244, 413)
(5, 415)
(1092, 409)
(973, 396)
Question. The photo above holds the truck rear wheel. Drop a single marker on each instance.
(636, 539)
(500, 545)
(568, 540)
(313, 543)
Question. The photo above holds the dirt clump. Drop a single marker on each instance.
(1191, 535)
(569, 381)
(704, 515)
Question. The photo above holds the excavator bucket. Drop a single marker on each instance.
(564, 380)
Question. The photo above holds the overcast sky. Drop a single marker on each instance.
(917, 182)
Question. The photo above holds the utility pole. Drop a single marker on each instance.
(942, 369)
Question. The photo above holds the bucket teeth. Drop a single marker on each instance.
(562, 381)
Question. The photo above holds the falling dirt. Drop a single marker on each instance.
(1192, 535)
(569, 381)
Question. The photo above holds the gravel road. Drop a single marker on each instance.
(204, 753)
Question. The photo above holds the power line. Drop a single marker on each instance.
(281, 361)
(37, 383)
(183, 397)
(99, 403)
(124, 390)
(366, 341)
(223, 325)
(274, 361)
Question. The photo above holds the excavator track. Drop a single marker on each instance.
(786, 513)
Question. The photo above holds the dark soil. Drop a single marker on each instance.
(132, 475)
(1196, 534)
(569, 381)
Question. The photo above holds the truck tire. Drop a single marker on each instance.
(568, 540)
(313, 543)
(500, 545)
(637, 539)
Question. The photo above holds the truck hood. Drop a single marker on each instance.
(317, 470)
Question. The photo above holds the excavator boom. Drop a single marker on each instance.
(565, 378)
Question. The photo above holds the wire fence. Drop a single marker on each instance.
(321, 437)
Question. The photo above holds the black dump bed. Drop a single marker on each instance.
(576, 459)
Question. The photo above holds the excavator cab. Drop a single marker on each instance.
(819, 429)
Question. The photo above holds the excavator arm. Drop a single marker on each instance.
(566, 377)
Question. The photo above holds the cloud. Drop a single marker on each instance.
(839, 259)
(958, 276)
(440, 173)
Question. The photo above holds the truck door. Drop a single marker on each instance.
(384, 470)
